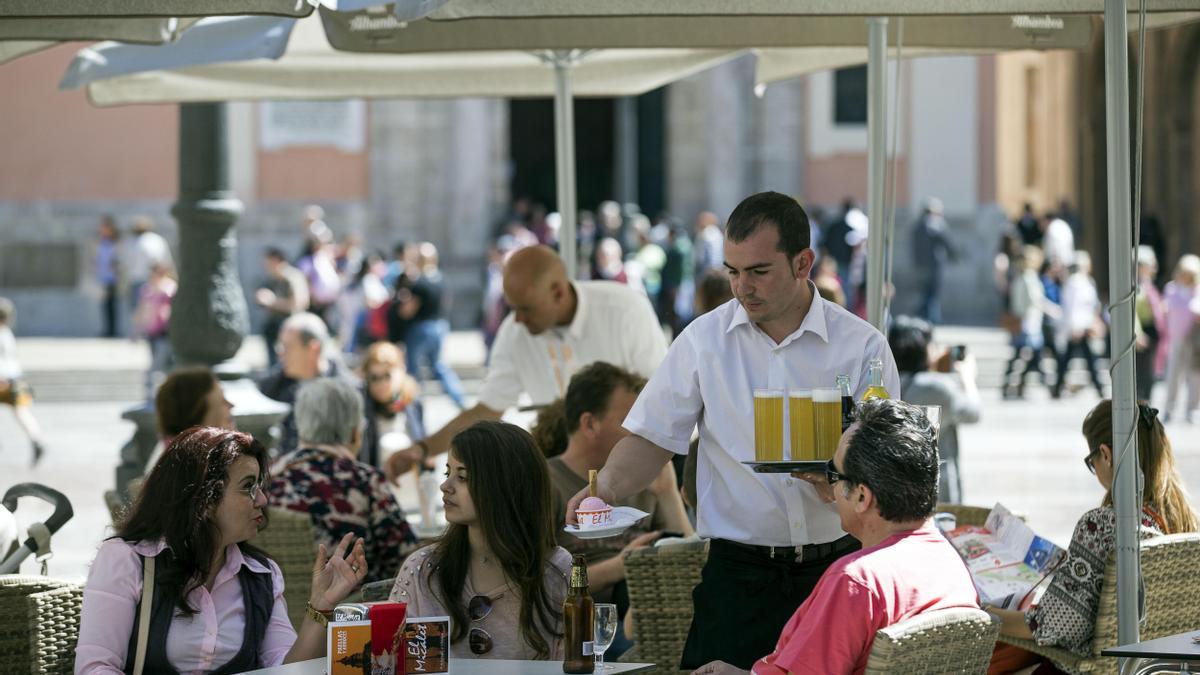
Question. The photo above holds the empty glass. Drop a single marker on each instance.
(606, 630)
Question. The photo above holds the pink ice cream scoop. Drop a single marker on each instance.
(593, 513)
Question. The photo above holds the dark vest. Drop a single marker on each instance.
(258, 598)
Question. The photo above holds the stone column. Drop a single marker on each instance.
(209, 318)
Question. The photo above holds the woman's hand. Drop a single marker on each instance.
(334, 577)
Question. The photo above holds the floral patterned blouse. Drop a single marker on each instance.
(343, 495)
(1066, 614)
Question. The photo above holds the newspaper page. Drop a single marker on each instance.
(1005, 557)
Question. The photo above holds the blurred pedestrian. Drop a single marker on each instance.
(14, 392)
(424, 307)
(1080, 322)
(1151, 324)
(1030, 306)
(147, 248)
(1183, 306)
(106, 266)
(1029, 227)
(153, 311)
(319, 267)
(932, 253)
(710, 244)
(283, 293)
(362, 294)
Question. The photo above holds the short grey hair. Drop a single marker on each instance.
(308, 326)
(328, 410)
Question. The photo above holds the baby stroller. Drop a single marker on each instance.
(12, 551)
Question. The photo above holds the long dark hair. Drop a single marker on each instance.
(509, 485)
(177, 503)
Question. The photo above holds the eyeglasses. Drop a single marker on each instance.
(479, 639)
(372, 378)
(1090, 462)
(253, 491)
(833, 475)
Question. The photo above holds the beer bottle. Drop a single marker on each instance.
(875, 388)
(579, 621)
(843, 383)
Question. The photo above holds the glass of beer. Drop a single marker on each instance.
(768, 425)
(827, 415)
(800, 415)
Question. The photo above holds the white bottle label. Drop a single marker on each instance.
(587, 648)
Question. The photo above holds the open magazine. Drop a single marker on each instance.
(1005, 557)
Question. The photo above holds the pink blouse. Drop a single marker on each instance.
(197, 644)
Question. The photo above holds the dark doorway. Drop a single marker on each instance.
(531, 146)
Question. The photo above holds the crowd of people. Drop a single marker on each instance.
(801, 569)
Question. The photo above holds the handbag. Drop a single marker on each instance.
(143, 623)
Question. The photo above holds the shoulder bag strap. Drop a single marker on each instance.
(143, 624)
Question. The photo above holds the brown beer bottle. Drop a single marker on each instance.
(579, 621)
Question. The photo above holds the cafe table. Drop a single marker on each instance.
(1176, 648)
(467, 667)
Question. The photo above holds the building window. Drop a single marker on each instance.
(850, 95)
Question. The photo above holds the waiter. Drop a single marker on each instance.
(557, 326)
(772, 536)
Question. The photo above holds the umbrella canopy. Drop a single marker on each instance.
(62, 29)
(466, 9)
(150, 8)
(266, 58)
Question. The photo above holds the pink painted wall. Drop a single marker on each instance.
(312, 174)
(56, 145)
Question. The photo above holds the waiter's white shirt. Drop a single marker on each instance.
(613, 323)
(708, 379)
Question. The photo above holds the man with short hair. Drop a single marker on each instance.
(883, 483)
(771, 537)
(303, 356)
(556, 327)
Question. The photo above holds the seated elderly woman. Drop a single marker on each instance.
(189, 397)
(324, 478)
(1066, 614)
(216, 602)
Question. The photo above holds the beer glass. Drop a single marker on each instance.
(768, 425)
(800, 416)
(827, 415)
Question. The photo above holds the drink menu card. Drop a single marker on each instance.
(1006, 558)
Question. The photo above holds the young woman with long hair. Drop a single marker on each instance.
(1066, 614)
(496, 572)
(217, 601)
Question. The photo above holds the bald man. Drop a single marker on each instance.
(556, 327)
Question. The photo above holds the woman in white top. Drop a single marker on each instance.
(217, 602)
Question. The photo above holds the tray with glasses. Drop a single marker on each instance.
(787, 466)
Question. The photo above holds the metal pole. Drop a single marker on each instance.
(1124, 402)
(876, 165)
(564, 158)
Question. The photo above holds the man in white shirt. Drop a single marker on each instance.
(772, 535)
(556, 327)
(147, 249)
(1058, 241)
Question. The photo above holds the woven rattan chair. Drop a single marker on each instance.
(375, 591)
(968, 515)
(39, 625)
(1171, 574)
(290, 541)
(661, 579)
(958, 640)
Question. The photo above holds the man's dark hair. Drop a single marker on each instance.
(591, 390)
(780, 210)
(893, 451)
(909, 339)
(274, 253)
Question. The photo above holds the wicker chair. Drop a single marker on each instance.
(661, 579)
(290, 541)
(968, 515)
(958, 640)
(39, 625)
(1171, 574)
(375, 591)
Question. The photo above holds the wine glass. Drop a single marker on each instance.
(606, 630)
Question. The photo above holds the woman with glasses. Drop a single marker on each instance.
(393, 404)
(1066, 614)
(496, 572)
(215, 602)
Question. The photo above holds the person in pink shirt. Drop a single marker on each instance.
(217, 602)
(1183, 305)
(883, 481)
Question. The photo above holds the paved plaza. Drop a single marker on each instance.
(1026, 454)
